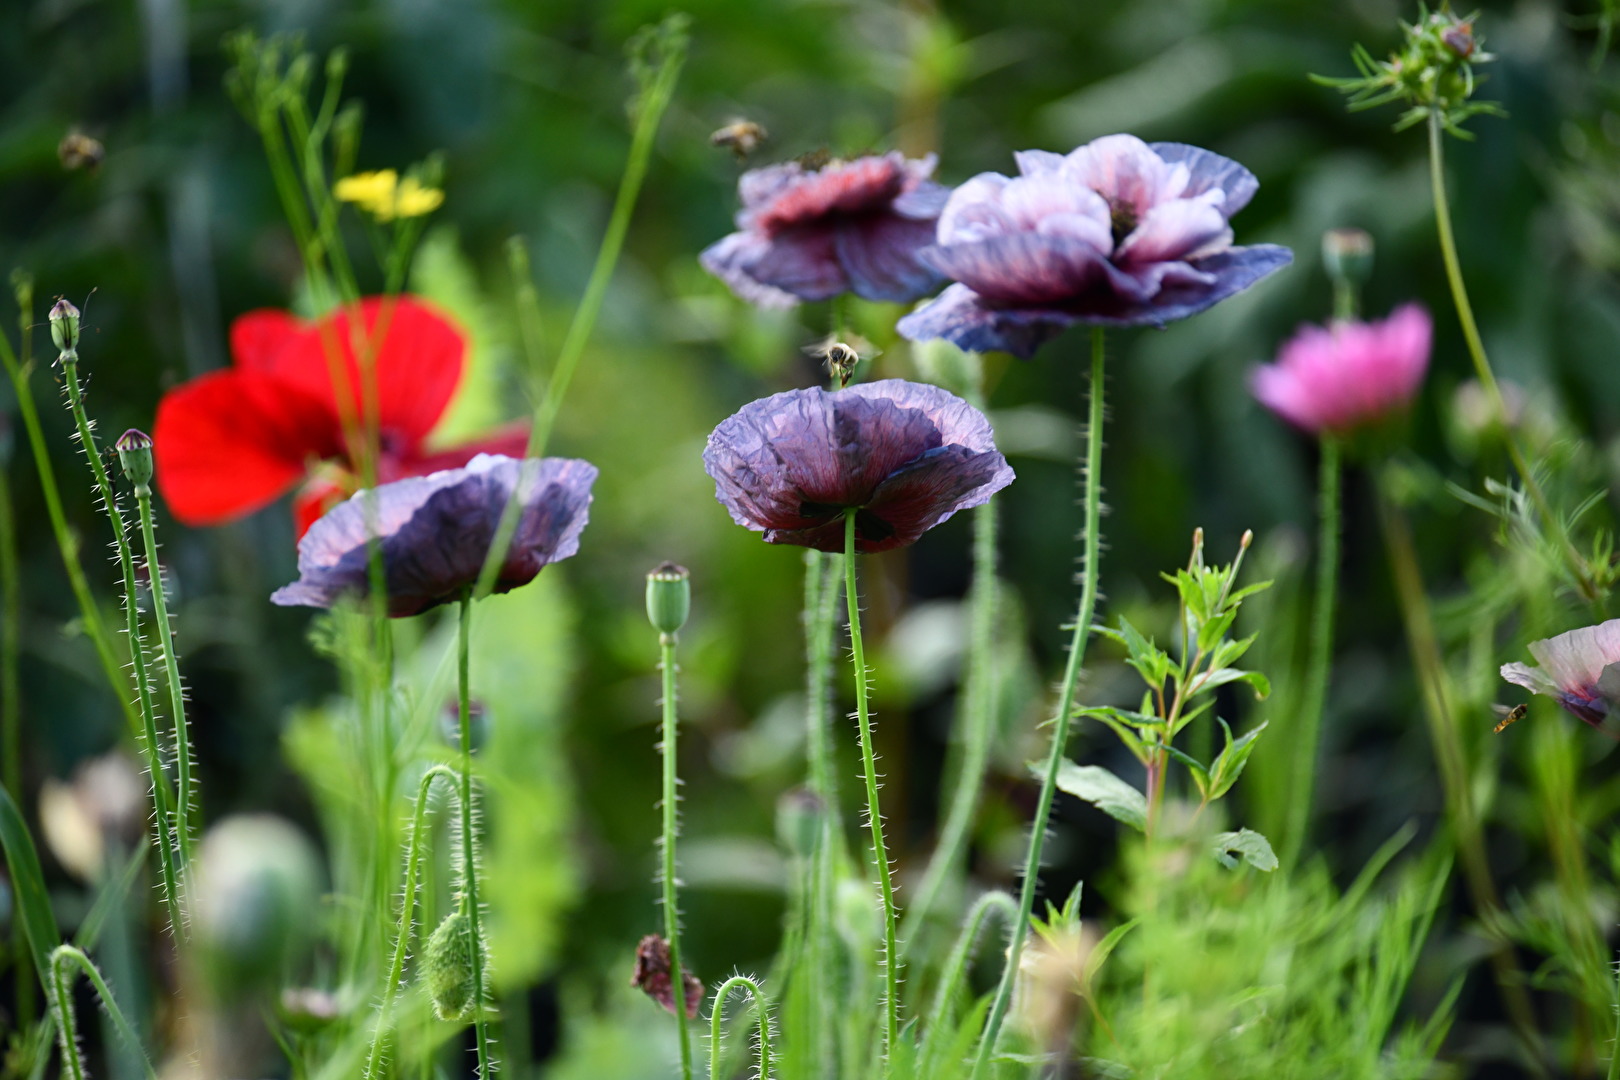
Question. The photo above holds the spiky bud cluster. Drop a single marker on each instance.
(447, 966)
(669, 598)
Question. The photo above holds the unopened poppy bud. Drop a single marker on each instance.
(477, 725)
(799, 814)
(1347, 256)
(447, 964)
(65, 326)
(254, 899)
(135, 455)
(669, 598)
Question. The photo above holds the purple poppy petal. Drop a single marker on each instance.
(1126, 172)
(436, 531)
(1209, 171)
(920, 496)
(879, 257)
(1037, 162)
(1233, 271)
(973, 211)
(1531, 678)
(802, 262)
(1179, 229)
(959, 316)
(751, 475)
(726, 260)
(959, 423)
(925, 202)
(860, 186)
(1020, 267)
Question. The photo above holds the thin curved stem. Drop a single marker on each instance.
(991, 903)
(469, 852)
(407, 912)
(761, 1005)
(1065, 710)
(672, 911)
(1308, 737)
(1482, 364)
(63, 959)
(185, 793)
(874, 816)
(171, 854)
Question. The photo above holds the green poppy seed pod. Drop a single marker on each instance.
(254, 898)
(1347, 256)
(669, 598)
(135, 455)
(65, 326)
(447, 966)
(799, 816)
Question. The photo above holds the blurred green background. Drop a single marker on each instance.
(178, 232)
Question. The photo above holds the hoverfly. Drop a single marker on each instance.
(1509, 716)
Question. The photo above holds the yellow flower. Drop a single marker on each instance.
(372, 190)
(414, 200)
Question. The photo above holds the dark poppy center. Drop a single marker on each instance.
(1122, 219)
(869, 527)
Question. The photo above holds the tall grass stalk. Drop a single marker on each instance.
(1308, 734)
(1065, 710)
(874, 815)
(172, 853)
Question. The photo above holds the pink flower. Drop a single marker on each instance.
(1339, 377)
(1581, 669)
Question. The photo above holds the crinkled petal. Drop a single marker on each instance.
(973, 211)
(1210, 171)
(959, 423)
(436, 531)
(1021, 267)
(1531, 678)
(927, 492)
(846, 187)
(1176, 230)
(925, 202)
(1232, 271)
(800, 262)
(726, 259)
(1125, 171)
(230, 442)
(1574, 661)
(1037, 162)
(959, 316)
(879, 257)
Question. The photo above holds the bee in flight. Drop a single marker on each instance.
(1509, 716)
(742, 137)
(841, 357)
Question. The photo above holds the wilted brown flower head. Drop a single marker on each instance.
(652, 976)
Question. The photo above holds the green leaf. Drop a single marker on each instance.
(1152, 662)
(1255, 849)
(1105, 791)
(1228, 766)
(1105, 948)
(1222, 676)
(28, 886)
(1200, 773)
(1210, 633)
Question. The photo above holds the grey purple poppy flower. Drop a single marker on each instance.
(436, 531)
(848, 226)
(902, 456)
(1115, 233)
(1581, 669)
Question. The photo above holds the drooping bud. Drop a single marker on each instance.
(669, 598)
(654, 978)
(447, 965)
(135, 455)
(799, 816)
(65, 326)
(1347, 256)
(477, 725)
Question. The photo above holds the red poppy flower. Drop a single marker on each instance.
(231, 442)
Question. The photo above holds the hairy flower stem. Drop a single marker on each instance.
(469, 853)
(171, 852)
(186, 794)
(1309, 734)
(672, 911)
(1487, 378)
(63, 959)
(407, 908)
(821, 587)
(1063, 716)
(1467, 832)
(874, 817)
(979, 694)
(716, 1036)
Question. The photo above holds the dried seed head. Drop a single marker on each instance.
(653, 976)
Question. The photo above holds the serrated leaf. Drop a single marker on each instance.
(1254, 848)
(1105, 791)
(1228, 765)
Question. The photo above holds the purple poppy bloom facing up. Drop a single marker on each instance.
(902, 456)
(436, 531)
(1581, 669)
(849, 226)
(1116, 233)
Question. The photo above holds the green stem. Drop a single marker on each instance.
(955, 972)
(67, 542)
(979, 693)
(672, 911)
(469, 855)
(1438, 711)
(1309, 735)
(1614, 1051)
(171, 853)
(11, 717)
(716, 1036)
(63, 959)
(1063, 716)
(874, 816)
(821, 588)
(407, 912)
(1482, 364)
(654, 104)
(186, 794)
